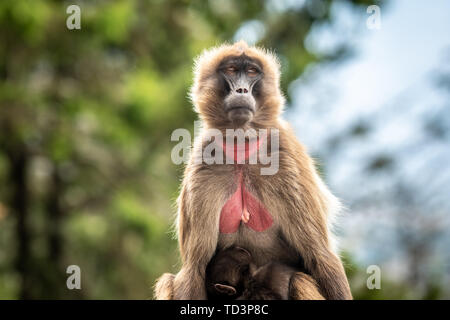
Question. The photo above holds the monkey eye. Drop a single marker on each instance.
(252, 72)
(230, 70)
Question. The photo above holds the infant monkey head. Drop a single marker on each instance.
(227, 273)
(231, 274)
(271, 281)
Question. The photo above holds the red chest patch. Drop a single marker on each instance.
(243, 206)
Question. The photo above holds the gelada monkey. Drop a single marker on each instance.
(284, 216)
(228, 274)
(231, 274)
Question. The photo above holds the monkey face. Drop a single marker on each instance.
(240, 76)
(237, 86)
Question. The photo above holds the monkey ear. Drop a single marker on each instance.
(224, 289)
(245, 251)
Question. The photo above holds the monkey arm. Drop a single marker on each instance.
(198, 235)
(322, 263)
(311, 208)
(309, 234)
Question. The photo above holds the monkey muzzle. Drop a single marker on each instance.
(240, 105)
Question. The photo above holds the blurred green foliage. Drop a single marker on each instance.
(85, 123)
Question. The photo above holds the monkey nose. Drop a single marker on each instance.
(242, 90)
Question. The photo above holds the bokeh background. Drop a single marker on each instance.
(86, 117)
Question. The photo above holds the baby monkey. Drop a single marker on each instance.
(231, 274)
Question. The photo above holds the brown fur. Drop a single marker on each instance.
(303, 287)
(272, 281)
(300, 203)
(164, 287)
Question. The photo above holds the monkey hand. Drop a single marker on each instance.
(304, 287)
(189, 285)
(164, 287)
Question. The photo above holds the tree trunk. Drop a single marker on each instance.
(18, 159)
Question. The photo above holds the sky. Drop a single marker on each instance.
(413, 40)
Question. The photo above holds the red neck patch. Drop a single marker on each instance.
(240, 152)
